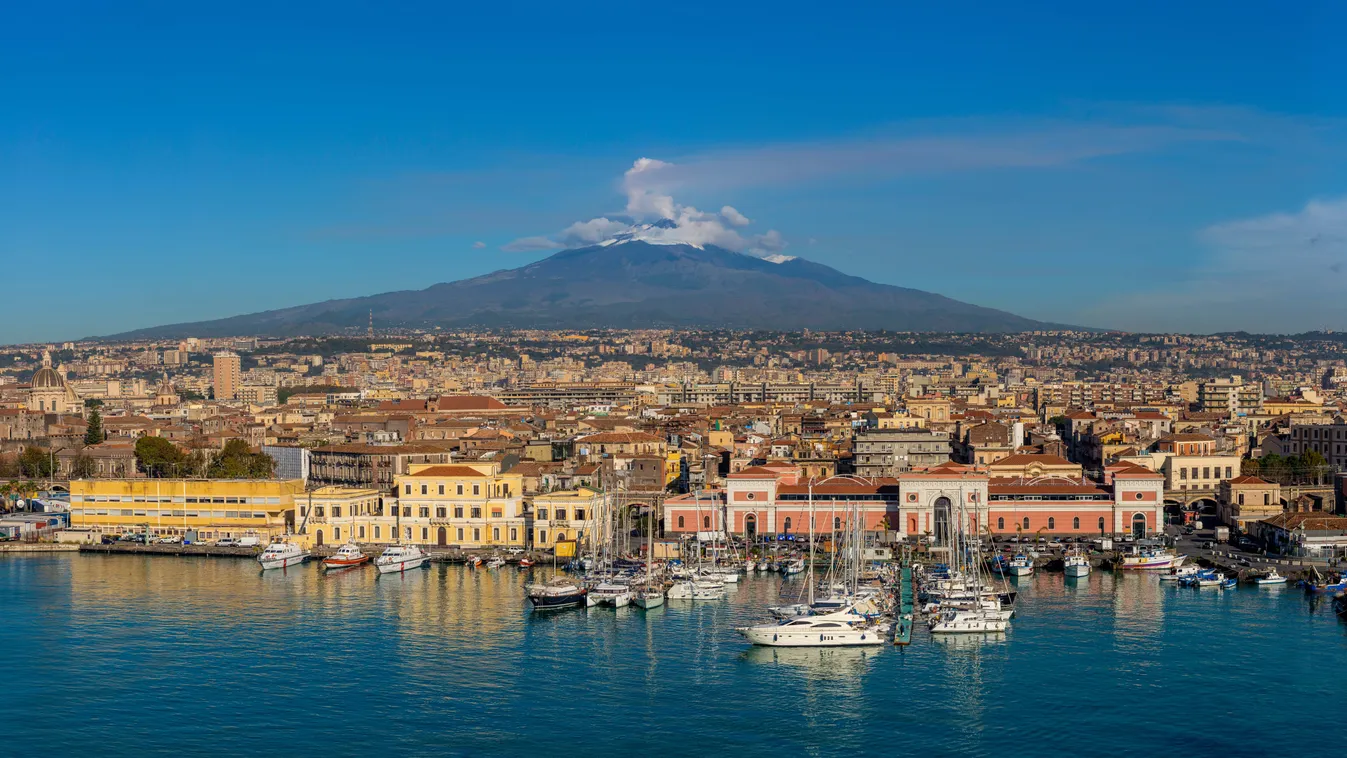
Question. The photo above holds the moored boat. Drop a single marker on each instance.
(347, 556)
(844, 628)
(1270, 579)
(556, 594)
(282, 555)
(525, 562)
(1020, 565)
(609, 593)
(1151, 560)
(1076, 564)
(400, 558)
(648, 597)
(696, 590)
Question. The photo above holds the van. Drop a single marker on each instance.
(249, 541)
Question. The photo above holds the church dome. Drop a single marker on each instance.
(47, 378)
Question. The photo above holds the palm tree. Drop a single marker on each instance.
(6, 491)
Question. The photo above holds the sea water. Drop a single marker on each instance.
(151, 655)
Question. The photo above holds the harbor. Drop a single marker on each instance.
(398, 662)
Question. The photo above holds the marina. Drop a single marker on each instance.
(452, 642)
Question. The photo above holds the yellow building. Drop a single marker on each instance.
(566, 515)
(333, 515)
(470, 505)
(213, 508)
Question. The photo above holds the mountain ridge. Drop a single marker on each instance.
(630, 283)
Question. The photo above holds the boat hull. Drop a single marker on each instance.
(1153, 563)
(772, 636)
(648, 601)
(286, 562)
(1077, 570)
(401, 566)
(338, 564)
(557, 602)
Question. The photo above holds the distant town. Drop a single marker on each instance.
(513, 438)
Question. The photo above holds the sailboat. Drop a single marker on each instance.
(649, 595)
(962, 601)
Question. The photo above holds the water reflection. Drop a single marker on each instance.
(815, 662)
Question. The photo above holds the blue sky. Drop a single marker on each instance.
(1156, 166)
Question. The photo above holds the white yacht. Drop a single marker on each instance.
(1076, 564)
(648, 597)
(845, 628)
(400, 558)
(975, 621)
(696, 590)
(281, 555)
(609, 593)
(1151, 560)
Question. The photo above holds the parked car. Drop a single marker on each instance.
(171, 539)
(228, 542)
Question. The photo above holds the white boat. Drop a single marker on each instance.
(1179, 573)
(1020, 565)
(750, 565)
(1272, 578)
(793, 567)
(347, 556)
(282, 555)
(696, 590)
(976, 621)
(844, 628)
(609, 593)
(764, 565)
(1076, 564)
(400, 558)
(793, 611)
(495, 563)
(1151, 560)
(648, 597)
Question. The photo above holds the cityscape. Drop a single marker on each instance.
(714, 380)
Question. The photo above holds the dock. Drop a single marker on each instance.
(902, 631)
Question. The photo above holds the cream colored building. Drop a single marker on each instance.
(471, 505)
(576, 514)
(227, 380)
(212, 508)
(333, 515)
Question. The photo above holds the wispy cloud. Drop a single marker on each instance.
(478, 245)
(1283, 271)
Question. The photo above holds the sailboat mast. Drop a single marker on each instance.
(809, 570)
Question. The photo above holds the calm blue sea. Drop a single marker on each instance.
(129, 655)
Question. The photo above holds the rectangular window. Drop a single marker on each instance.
(423, 489)
(408, 490)
(579, 514)
(497, 513)
(476, 512)
(542, 513)
(407, 532)
(423, 512)
(476, 535)
(476, 489)
(495, 534)
(514, 534)
(1183, 473)
(460, 491)
(542, 536)
(561, 514)
(460, 534)
(361, 532)
(458, 511)
(376, 532)
(1206, 472)
(425, 534)
(440, 511)
(1227, 472)
(441, 489)
(336, 511)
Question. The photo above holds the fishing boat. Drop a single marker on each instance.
(1204, 578)
(399, 558)
(844, 628)
(495, 563)
(1000, 565)
(1076, 564)
(347, 556)
(282, 554)
(1229, 583)
(556, 594)
(474, 561)
(525, 562)
(1321, 585)
(1270, 579)
(1151, 560)
(1020, 565)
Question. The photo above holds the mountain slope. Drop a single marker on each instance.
(633, 284)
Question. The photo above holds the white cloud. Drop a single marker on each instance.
(478, 245)
(734, 217)
(655, 216)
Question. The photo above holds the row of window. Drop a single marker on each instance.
(1052, 523)
(560, 514)
(1206, 472)
(498, 490)
(1050, 498)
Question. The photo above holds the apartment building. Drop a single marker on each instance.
(471, 505)
(204, 509)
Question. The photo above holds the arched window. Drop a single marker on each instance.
(837, 522)
(1075, 523)
(706, 522)
(1000, 523)
(1026, 522)
(1101, 524)
(680, 522)
(1052, 523)
(788, 523)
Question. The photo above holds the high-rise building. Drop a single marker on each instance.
(226, 376)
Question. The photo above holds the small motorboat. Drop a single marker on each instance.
(495, 563)
(793, 567)
(399, 558)
(1020, 565)
(1229, 583)
(1270, 579)
(474, 561)
(347, 556)
(1179, 573)
(525, 562)
(282, 555)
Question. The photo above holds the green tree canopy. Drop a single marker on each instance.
(35, 462)
(238, 461)
(157, 457)
(93, 434)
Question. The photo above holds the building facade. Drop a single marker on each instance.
(470, 505)
(208, 508)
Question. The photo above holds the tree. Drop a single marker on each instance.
(36, 463)
(93, 433)
(82, 467)
(157, 457)
(238, 461)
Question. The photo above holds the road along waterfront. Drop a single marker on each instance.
(129, 654)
